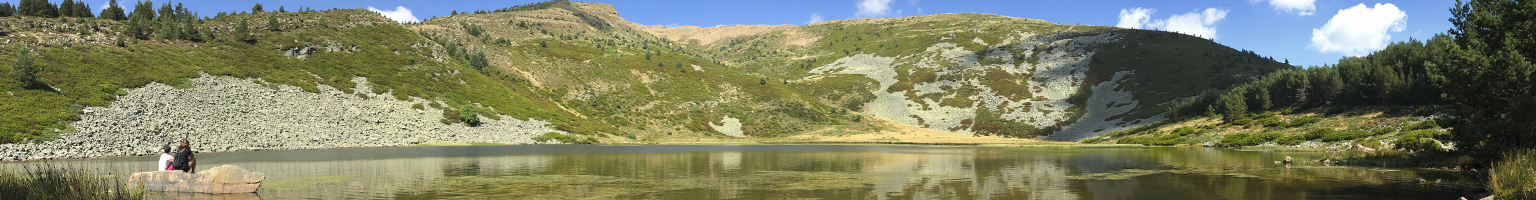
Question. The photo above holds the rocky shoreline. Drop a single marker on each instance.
(220, 113)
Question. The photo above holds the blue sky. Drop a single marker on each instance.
(1307, 32)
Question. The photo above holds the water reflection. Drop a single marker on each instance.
(800, 171)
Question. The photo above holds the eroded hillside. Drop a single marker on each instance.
(958, 73)
(587, 71)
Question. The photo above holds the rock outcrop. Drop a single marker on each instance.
(227, 179)
(234, 114)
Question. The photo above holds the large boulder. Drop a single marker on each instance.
(225, 179)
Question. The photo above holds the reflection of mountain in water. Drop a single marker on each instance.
(790, 171)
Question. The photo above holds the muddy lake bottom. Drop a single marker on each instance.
(801, 171)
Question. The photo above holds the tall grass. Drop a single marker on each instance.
(53, 182)
(1515, 177)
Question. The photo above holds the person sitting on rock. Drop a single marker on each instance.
(165, 159)
(185, 161)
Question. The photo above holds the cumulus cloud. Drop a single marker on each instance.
(1199, 24)
(1135, 17)
(400, 14)
(1358, 30)
(873, 8)
(815, 17)
(1300, 7)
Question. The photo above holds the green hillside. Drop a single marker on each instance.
(585, 68)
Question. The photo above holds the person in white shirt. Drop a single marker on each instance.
(165, 159)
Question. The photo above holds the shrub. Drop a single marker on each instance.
(1384, 131)
(1186, 131)
(563, 138)
(1421, 140)
(1165, 140)
(1511, 178)
(1345, 135)
(1290, 140)
(1316, 134)
(1270, 121)
(1298, 122)
(1245, 139)
(1236, 140)
(1426, 124)
(469, 115)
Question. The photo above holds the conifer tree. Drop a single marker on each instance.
(257, 8)
(113, 12)
(243, 31)
(6, 10)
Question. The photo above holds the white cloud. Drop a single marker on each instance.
(815, 17)
(1358, 30)
(873, 8)
(1135, 17)
(1300, 7)
(400, 14)
(1192, 23)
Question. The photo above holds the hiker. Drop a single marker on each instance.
(165, 158)
(185, 161)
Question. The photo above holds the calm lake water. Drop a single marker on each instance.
(802, 171)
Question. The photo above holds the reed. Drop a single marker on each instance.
(54, 182)
(1515, 177)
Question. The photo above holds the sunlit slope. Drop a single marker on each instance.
(959, 73)
(84, 65)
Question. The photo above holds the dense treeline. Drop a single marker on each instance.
(42, 8)
(1477, 72)
(1396, 75)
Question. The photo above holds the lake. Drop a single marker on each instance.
(803, 171)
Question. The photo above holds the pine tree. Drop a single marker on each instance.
(6, 10)
(24, 69)
(272, 23)
(243, 31)
(257, 8)
(280, 9)
(113, 12)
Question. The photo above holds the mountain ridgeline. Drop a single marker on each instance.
(597, 77)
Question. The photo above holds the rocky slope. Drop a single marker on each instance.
(233, 114)
(349, 78)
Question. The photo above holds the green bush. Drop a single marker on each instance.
(1511, 178)
(1236, 140)
(1426, 124)
(1384, 131)
(563, 138)
(1186, 131)
(469, 115)
(1345, 135)
(1316, 134)
(1290, 140)
(1245, 139)
(1421, 140)
(1270, 121)
(1165, 140)
(1298, 122)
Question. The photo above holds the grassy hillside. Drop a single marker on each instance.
(593, 73)
(395, 60)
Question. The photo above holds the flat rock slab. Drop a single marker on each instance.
(225, 179)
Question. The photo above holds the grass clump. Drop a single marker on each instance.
(563, 138)
(49, 182)
(1512, 178)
